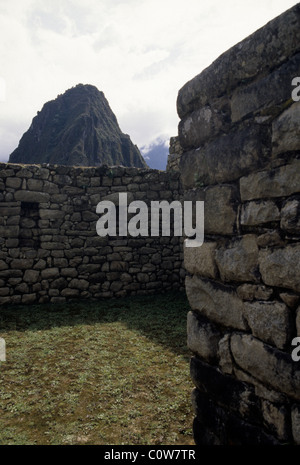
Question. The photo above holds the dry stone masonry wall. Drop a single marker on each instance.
(239, 132)
(50, 250)
(175, 152)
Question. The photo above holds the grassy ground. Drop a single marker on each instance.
(112, 372)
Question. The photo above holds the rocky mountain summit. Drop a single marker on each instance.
(77, 128)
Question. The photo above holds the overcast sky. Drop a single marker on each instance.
(138, 52)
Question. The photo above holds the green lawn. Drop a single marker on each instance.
(111, 372)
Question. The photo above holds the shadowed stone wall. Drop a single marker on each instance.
(49, 247)
(239, 135)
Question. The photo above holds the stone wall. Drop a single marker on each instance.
(239, 131)
(49, 247)
(175, 152)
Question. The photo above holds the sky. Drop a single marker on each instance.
(138, 52)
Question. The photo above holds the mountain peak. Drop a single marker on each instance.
(77, 128)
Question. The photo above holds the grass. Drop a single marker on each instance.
(113, 372)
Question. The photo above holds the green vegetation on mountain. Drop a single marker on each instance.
(77, 128)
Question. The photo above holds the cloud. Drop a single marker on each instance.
(138, 52)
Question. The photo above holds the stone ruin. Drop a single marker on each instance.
(239, 142)
(238, 150)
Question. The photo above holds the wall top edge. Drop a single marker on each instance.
(260, 52)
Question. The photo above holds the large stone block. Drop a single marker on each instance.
(62, 180)
(51, 214)
(217, 302)
(50, 273)
(265, 95)
(254, 291)
(225, 390)
(14, 183)
(215, 425)
(201, 260)
(225, 359)
(220, 209)
(278, 182)
(298, 321)
(27, 196)
(268, 47)
(238, 259)
(277, 419)
(227, 157)
(290, 218)
(269, 321)
(9, 231)
(80, 284)
(296, 423)
(31, 276)
(286, 131)
(21, 263)
(281, 267)
(259, 212)
(204, 124)
(202, 337)
(53, 189)
(271, 366)
(35, 185)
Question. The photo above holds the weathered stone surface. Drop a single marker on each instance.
(118, 266)
(203, 124)
(237, 260)
(202, 337)
(115, 198)
(281, 267)
(35, 185)
(15, 183)
(220, 210)
(270, 239)
(277, 419)
(254, 291)
(298, 321)
(269, 321)
(28, 299)
(9, 231)
(285, 130)
(290, 216)
(216, 426)
(201, 260)
(51, 214)
(265, 95)
(225, 361)
(70, 293)
(53, 189)
(217, 302)
(268, 394)
(226, 390)
(290, 299)
(279, 182)
(21, 264)
(31, 276)
(296, 423)
(80, 284)
(69, 272)
(256, 54)
(28, 196)
(271, 366)
(50, 273)
(253, 144)
(226, 158)
(258, 212)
